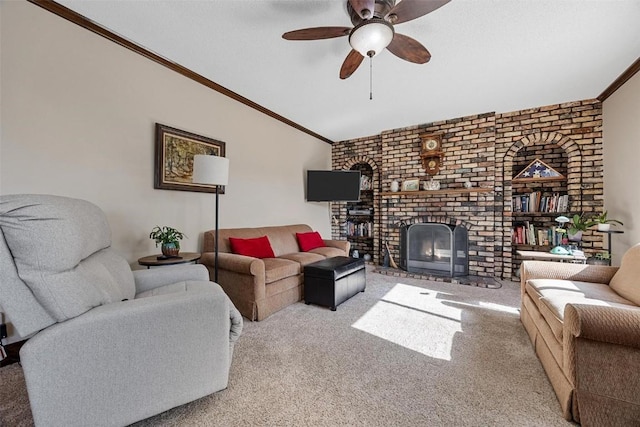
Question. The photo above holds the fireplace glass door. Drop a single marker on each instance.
(435, 248)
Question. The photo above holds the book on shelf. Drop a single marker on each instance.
(537, 201)
(359, 229)
(525, 233)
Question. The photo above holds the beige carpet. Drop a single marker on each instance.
(406, 352)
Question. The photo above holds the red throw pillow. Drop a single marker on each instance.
(259, 247)
(308, 241)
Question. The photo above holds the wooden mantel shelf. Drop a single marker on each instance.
(443, 191)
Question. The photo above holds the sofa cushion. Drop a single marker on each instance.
(61, 251)
(552, 295)
(258, 247)
(328, 252)
(308, 241)
(280, 268)
(303, 258)
(283, 237)
(626, 281)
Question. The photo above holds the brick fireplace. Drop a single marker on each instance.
(486, 150)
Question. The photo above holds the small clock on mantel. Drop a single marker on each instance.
(431, 153)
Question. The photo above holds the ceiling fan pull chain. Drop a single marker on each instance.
(370, 77)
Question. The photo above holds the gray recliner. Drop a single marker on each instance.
(107, 346)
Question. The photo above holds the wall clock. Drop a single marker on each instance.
(430, 144)
(431, 153)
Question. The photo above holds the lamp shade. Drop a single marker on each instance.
(211, 170)
(371, 37)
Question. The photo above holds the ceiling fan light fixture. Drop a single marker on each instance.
(370, 36)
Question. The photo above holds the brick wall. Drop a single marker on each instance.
(488, 150)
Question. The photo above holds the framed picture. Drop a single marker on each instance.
(411, 185)
(175, 149)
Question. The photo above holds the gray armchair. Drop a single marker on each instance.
(106, 346)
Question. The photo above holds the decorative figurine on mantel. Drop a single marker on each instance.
(431, 153)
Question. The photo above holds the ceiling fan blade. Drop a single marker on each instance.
(317, 33)
(406, 48)
(364, 8)
(407, 10)
(351, 64)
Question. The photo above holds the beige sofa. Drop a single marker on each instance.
(260, 287)
(584, 322)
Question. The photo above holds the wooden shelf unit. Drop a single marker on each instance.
(363, 243)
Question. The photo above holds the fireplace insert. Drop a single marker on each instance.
(434, 248)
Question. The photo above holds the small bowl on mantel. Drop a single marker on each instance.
(431, 185)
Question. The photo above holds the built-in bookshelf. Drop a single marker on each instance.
(359, 225)
(539, 195)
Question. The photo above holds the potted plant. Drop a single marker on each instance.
(605, 223)
(578, 224)
(600, 258)
(169, 238)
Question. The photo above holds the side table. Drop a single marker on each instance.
(183, 258)
(609, 233)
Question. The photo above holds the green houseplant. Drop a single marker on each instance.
(605, 223)
(600, 258)
(169, 238)
(578, 224)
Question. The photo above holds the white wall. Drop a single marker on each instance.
(621, 136)
(77, 119)
(78, 115)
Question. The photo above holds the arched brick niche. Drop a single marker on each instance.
(544, 144)
(339, 209)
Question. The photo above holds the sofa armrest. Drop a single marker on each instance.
(237, 263)
(602, 357)
(152, 278)
(345, 245)
(613, 325)
(565, 271)
(609, 325)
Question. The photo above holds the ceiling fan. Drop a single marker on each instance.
(373, 31)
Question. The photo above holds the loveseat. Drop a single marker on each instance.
(584, 323)
(259, 287)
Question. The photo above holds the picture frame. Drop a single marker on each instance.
(411, 185)
(174, 151)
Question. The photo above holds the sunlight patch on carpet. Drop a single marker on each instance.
(415, 318)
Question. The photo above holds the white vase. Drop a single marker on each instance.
(577, 237)
(395, 186)
(604, 227)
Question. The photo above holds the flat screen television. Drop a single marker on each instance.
(333, 186)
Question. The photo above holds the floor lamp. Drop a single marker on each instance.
(211, 170)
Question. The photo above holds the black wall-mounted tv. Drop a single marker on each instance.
(333, 186)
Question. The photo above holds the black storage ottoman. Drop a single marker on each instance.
(332, 281)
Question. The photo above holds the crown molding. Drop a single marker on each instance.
(80, 20)
(622, 79)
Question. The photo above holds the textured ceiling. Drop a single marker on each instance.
(489, 55)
